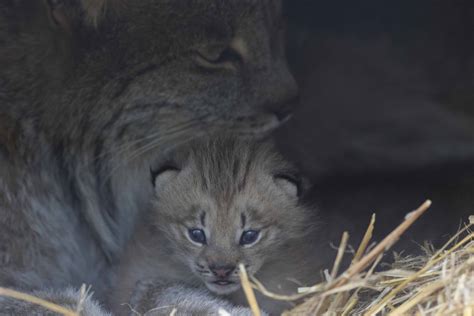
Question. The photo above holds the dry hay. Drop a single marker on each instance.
(84, 293)
(438, 283)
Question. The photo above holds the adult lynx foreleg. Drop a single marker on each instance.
(69, 298)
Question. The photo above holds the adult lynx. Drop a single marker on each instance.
(89, 89)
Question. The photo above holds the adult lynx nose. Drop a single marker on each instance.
(284, 110)
(281, 92)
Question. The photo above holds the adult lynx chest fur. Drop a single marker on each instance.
(89, 89)
(221, 203)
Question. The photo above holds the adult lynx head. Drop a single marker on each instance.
(138, 72)
(222, 203)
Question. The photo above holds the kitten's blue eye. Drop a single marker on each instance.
(249, 237)
(197, 235)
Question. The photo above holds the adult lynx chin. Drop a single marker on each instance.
(218, 203)
(90, 89)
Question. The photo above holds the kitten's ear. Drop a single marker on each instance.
(293, 185)
(163, 175)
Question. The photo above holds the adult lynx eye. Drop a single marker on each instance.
(228, 55)
(228, 58)
(249, 237)
(197, 235)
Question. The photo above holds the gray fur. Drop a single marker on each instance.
(233, 183)
(68, 298)
(89, 91)
(153, 298)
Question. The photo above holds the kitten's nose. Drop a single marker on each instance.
(222, 271)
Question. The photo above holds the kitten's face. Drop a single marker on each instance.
(218, 218)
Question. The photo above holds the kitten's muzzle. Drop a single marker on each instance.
(222, 278)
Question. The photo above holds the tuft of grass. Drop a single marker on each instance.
(438, 283)
(84, 293)
(39, 301)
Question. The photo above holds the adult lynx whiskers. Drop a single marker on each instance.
(219, 203)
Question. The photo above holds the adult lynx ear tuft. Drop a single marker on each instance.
(163, 175)
(94, 10)
(57, 14)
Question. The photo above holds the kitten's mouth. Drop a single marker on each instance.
(222, 287)
(223, 282)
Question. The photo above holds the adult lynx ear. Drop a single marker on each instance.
(90, 10)
(163, 175)
(94, 9)
(291, 184)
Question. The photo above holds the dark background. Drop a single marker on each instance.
(387, 112)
